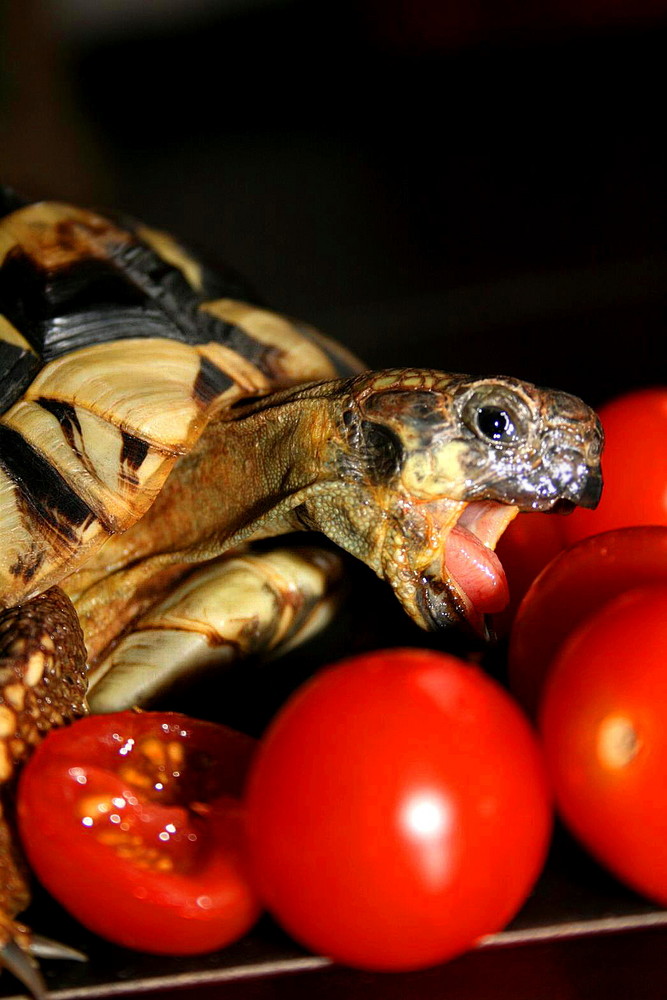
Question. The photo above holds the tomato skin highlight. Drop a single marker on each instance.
(397, 810)
(634, 466)
(574, 585)
(146, 854)
(604, 729)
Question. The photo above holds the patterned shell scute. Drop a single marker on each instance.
(116, 348)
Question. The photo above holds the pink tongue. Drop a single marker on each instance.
(477, 571)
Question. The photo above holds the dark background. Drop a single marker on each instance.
(470, 185)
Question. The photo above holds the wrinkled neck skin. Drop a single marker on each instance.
(241, 482)
(275, 470)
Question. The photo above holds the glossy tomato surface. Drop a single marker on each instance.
(634, 466)
(574, 585)
(134, 823)
(604, 727)
(397, 810)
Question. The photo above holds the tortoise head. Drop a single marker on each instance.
(432, 468)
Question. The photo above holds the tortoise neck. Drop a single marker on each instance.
(241, 481)
(245, 477)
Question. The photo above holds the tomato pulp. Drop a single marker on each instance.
(133, 821)
(397, 810)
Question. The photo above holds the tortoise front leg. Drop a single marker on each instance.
(249, 604)
(14, 894)
(42, 685)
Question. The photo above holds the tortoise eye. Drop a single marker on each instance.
(496, 424)
(496, 414)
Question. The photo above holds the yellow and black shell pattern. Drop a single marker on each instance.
(117, 346)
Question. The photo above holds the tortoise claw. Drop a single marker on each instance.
(21, 965)
(43, 947)
(489, 633)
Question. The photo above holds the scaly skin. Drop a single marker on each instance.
(42, 685)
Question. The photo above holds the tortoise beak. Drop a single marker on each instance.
(585, 491)
(590, 491)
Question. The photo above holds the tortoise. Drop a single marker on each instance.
(156, 421)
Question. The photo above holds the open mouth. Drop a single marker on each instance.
(473, 582)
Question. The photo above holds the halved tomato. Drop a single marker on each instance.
(133, 821)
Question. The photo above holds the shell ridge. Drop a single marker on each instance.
(102, 325)
(165, 284)
(18, 367)
(55, 501)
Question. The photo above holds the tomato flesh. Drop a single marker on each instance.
(604, 728)
(142, 812)
(574, 585)
(397, 810)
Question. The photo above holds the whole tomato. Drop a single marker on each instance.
(604, 728)
(134, 823)
(397, 810)
(574, 585)
(634, 466)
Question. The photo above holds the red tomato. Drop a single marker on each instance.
(634, 466)
(133, 822)
(530, 542)
(574, 585)
(397, 810)
(604, 726)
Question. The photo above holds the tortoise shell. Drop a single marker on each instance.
(117, 346)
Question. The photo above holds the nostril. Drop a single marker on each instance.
(573, 477)
(565, 465)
